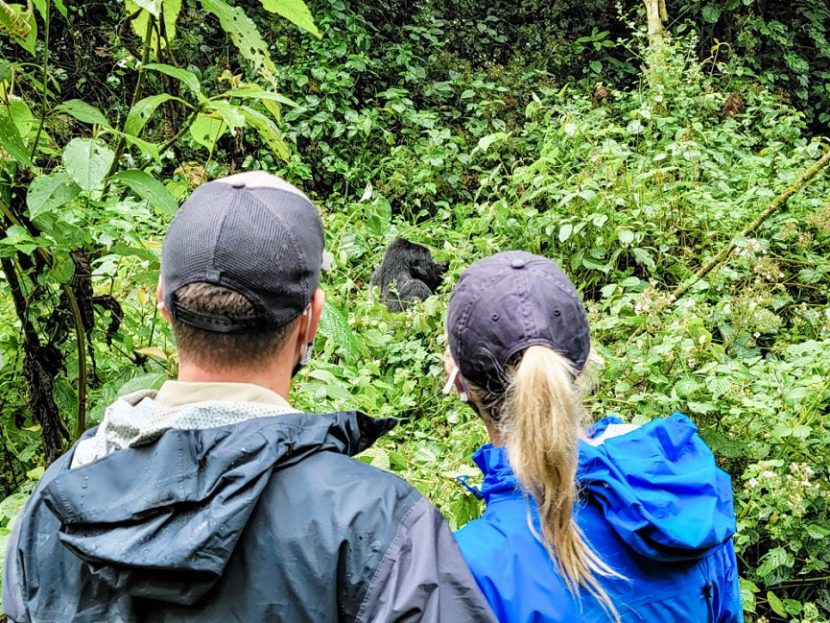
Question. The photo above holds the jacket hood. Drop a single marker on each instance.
(161, 520)
(658, 487)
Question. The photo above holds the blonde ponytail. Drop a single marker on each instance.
(540, 419)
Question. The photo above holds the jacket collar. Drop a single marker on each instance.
(499, 479)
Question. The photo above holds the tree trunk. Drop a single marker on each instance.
(656, 15)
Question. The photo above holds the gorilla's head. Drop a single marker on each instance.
(418, 260)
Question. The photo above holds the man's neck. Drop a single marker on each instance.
(275, 377)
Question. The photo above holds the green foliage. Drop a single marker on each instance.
(786, 45)
(402, 123)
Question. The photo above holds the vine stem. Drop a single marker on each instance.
(45, 90)
(139, 87)
(77, 323)
(774, 206)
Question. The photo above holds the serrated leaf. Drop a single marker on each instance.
(335, 327)
(187, 78)
(84, 112)
(268, 131)
(49, 192)
(295, 11)
(148, 188)
(686, 388)
(88, 161)
(718, 386)
(710, 13)
(772, 560)
(245, 36)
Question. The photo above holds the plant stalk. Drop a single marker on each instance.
(774, 206)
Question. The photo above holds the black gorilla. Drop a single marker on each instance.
(407, 274)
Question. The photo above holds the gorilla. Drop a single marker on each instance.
(407, 274)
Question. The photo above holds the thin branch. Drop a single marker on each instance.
(44, 88)
(774, 206)
(77, 322)
(139, 87)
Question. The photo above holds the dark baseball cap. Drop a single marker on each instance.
(252, 233)
(507, 302)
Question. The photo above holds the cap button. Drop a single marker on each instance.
(238, 185)
(517, 262)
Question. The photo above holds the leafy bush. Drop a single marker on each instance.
(408, 128)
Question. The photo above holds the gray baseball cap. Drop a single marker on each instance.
(253, 233)
(507, 302)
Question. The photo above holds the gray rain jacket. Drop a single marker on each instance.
(265, 519)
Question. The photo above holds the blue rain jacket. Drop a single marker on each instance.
(654, 505)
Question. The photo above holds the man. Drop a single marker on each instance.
(214, 500)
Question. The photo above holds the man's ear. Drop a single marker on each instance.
(317, 303)
(160, 301)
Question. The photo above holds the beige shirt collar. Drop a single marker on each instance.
(180, 393)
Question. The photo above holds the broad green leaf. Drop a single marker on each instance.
(88, 161)
(49, 192)
(150, 149)
(40, 5)
(148, 188)
(776, 604)
(142, 382)
(153, 7)
(19, 23)
(61, 7)
(207, 129)
(748, 590)
(22, 116)
(62, 269)
(565, 232)
(335, 327)
(625, 236)
(245, 36)
(10, 139)
(710, 13)
(143, 109)
(83, 112)
(232, 115)
(168, 10)
(375, 456)
(268, 131)
(295, 11)
(485, 142)
(188, 78)
(644, 257)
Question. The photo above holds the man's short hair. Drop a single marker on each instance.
(213, 350)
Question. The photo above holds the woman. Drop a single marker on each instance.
(616, 523)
